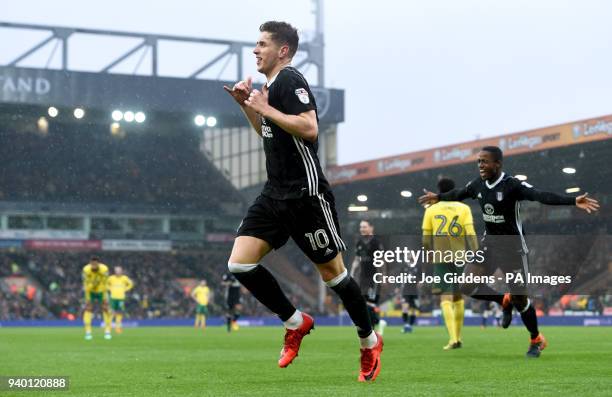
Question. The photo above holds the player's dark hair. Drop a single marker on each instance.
(369, 222)
(445, 185)
(282, 33)
(95, 258)
(497, 153)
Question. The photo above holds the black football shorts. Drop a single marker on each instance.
(312, 222)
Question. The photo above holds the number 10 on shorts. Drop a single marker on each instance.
(318, 239)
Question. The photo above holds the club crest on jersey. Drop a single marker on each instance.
(500, 196)
(302, 95)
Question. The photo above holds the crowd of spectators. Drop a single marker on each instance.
(84, 164)
(159, 291)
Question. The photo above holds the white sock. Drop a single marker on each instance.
(369, 341)
(295, 321)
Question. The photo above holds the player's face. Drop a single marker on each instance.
(365, 229)
(267, 53)
(487, 166)
(94, 266)
(118, 270)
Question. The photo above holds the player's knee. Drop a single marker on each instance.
(240, 267)
(332, 269)
(332, 277)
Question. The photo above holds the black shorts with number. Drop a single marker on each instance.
(310, 221)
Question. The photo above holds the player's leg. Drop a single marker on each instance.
(198, 316)
(405, 308)
(314, 227)
(228, 316)
(247, 252)
(261, 230)
(480, 291)
(203, 316)
(459, 314)
(483, 291)
(244, 265)
(446, 301)
(88, 316)
(116, 313)
(236, 315)
(413, 310)
(372, 299)
(409, 309)
(334, 274)
(524, 306)
(196, 323)
(106, 316)
(446, 306)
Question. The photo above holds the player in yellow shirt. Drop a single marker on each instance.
(201, 294)
(448, 226)
(118, 284)
(95, 275)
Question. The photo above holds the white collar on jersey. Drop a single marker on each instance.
(491, 186)
(269, 82)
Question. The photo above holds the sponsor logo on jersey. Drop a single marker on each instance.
(489, 216)
(266, 131)
(493, 218)
(302, 95)
(479, 195)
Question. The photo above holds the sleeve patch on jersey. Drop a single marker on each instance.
(302, 95)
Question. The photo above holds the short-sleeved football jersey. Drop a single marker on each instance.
(292, 163)
(95, 281)
(449, 222)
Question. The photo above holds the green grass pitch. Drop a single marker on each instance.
(186, 362)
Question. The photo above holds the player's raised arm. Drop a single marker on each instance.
(454, 195)
(241, 92)
(528, 192)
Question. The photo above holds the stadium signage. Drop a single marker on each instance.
(25, 85)
(517, 143)
(11, 243)
(453, 154)
(44, 235)
(599, 128)
(108, 91)
(136, 245)
(396, 164)
(61, 245)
